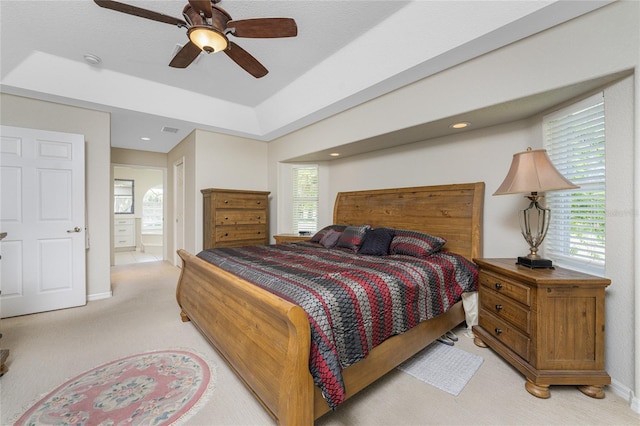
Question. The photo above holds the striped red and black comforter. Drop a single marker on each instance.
(353, 302)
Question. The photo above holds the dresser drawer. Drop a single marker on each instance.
(505, 308)
(240, 201)
(240, 217)
(506, 333)
(506, 287)
(240, 233)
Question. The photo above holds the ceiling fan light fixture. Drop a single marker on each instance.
(208, 39)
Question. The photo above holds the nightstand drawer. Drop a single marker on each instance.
(506, 287)
(506, 333)
(506, 309)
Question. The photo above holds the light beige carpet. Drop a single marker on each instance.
(48, 348)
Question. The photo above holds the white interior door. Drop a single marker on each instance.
(178, 210)
(42, 211)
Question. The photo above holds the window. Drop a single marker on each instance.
(305, 198)
(123, 196)
(575, 141)
(152, 211)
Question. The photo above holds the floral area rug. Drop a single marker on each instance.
(155, 388)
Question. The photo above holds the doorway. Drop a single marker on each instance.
(139, 231)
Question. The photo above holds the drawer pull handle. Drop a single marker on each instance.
(258, 232)
(226, 234)
(258, 217)
(498, 307)
(258, 202)
(498, 286)
(498, 331)
(226, 218)
(226, 201)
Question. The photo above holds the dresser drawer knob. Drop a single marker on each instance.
(498, 331)
(259, 232)
(226, 201)
(498, 286)
(498, 307)
(258, 202)
(226, 234)
(258, 217)
(226, 218)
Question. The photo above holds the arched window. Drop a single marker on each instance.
(152, 211)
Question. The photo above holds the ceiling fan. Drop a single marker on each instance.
(208, 27)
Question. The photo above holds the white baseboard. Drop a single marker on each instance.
(99, 296)
(626, 393)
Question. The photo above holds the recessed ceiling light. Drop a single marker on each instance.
(145, 138)
(335, 154)
(460, 125)
(92, 59)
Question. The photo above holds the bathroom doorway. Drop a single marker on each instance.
(138, 231)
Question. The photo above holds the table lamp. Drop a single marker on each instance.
(532, 172)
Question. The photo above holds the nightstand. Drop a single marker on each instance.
(291, 238)
(546, 323)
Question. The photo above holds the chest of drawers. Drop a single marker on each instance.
(235, 217)
(547, 323)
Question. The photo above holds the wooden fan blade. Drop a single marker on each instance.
(142, 13)
(263, 27)
(203, 6)
(245, 60)
(185, 56)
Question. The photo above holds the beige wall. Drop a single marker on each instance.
(95, 126)
(138, 158)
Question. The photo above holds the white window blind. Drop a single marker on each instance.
(305, 198)
(575, 141)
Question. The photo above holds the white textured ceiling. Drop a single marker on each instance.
(346, 52)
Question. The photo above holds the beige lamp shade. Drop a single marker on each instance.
(532, 171)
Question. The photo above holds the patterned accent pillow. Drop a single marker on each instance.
(377, 241)
(352, 237)
(330, 238)
(318, 235)
(415, 243)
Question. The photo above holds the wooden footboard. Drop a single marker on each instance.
(263, 338)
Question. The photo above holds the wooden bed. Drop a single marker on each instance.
(266, 339)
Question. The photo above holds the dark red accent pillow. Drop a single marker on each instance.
(321, 233)
(352, 237)
(330, 238)
(415, 243)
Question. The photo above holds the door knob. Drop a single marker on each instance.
(76, 229)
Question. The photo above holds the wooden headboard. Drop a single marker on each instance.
(453, 212)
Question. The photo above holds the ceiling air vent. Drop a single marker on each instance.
(167, 129)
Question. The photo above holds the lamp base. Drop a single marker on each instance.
(534, 263)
